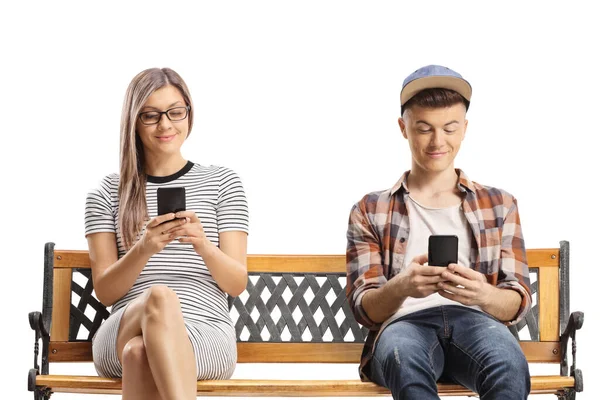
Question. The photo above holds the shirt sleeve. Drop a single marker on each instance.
(99, 212)
(364, 269)
(232, 206)
(514, 271)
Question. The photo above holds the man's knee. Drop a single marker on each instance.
(507, 353)
(403, 354)
(506, 375)
(510, 366)
(517, 365)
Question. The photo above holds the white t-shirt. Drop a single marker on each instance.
(425, 221)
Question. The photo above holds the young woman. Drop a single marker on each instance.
(166, 276)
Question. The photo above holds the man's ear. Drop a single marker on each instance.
(402, 124)
(465, 131)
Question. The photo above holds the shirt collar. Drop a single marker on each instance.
(464, 183)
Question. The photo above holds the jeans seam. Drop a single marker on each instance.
(431, 350)
(481, 369)
(377, 361)
(380, 371)
(446, 325)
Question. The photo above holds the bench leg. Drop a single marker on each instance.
(41, 393)
(569, 394)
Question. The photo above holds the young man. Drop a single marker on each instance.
(429, 322)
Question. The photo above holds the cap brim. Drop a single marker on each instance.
(460, 86)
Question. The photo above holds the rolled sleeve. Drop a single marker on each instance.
(525, 300)
(361, 315)
(364, 269)
(514, 270)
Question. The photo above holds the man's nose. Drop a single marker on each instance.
(437, 139)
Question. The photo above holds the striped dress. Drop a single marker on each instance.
(217, 197)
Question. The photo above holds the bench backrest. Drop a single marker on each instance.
(294, 308)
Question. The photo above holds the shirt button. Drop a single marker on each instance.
(402, 240)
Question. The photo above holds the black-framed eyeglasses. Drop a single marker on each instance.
(174, 114)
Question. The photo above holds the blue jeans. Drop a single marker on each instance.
(456, 344)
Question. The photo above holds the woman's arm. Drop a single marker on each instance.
(113, 277)
(226, 263)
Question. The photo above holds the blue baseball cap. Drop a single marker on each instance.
(434, 76)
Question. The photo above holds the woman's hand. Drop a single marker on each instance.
(191, 231)
(158, 233)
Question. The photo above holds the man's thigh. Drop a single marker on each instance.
(477, 343)
(411, 341)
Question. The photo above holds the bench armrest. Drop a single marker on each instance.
(36, 322)
(575, 323)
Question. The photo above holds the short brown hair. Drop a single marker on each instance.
(435, 98)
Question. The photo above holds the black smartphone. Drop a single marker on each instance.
(170, 199)
(443, 250)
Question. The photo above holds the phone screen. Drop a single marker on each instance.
(443, 250)
(170, 200)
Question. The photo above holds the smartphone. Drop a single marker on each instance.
(170, 199)
(443, 250)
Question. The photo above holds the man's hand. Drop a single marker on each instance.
(419, 280)
(465, 286)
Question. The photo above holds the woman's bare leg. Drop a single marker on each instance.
(138, 383)
(156, 316)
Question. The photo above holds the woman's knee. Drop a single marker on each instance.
(134, 353)
(161, 301)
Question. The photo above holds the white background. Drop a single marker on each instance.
(301, 99)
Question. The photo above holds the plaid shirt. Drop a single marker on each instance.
(378, 231)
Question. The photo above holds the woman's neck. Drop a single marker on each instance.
(164, 166)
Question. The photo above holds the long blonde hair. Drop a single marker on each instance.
(133, 211)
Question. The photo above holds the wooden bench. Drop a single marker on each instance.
(293, 311)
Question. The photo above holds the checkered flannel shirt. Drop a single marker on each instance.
(378, 231)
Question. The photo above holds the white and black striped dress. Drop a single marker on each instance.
(217, 197)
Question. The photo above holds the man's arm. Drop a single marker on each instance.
(364, 267)
(510, 299)
(373, 298)
(503, 304)
(416, 281)
(471, 288)
(513, 272)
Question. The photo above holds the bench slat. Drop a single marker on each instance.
(62, 305)
(548, 317)
(537, 352)
(542, 258)
(276, 388)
